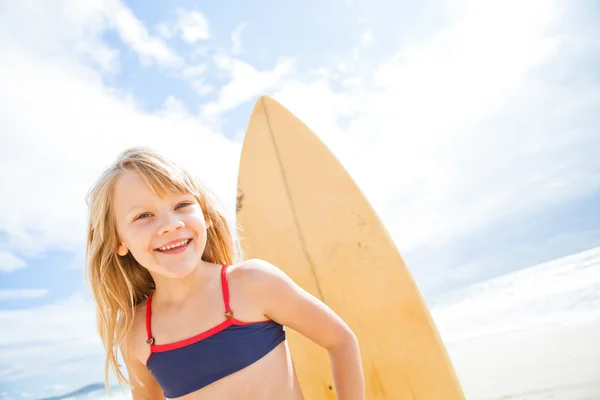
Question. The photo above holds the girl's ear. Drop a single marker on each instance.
(122, 250)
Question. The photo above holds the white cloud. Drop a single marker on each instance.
(246, 83)
(20, 294)
(63, 126)
(58, 27)
(194, 71)
(134, 34)
(63, 27)
(197, 77)
(236, 39)
(465, 127)
(367, 38)
(300, 98)
(192, 26)
(54, 340)
(9, 262)
(60, 388)
(201, 87)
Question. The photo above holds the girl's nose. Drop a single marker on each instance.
(171, 223)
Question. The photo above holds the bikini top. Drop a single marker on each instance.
(185, 366)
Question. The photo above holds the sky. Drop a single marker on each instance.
(471, 127)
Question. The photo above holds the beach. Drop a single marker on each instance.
(559, 363)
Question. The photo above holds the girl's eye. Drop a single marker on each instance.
(185, 203)
(142, 216)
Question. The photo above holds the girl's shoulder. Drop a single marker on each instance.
(137, 334)
(254, 276)
(254, 271)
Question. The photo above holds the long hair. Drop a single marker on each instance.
(120, 283)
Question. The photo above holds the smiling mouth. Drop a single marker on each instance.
(175, 246)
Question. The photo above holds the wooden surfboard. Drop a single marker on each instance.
(300, 210)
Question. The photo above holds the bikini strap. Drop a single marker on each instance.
(225, 287)
(150, 340)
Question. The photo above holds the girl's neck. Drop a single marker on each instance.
(177, 292)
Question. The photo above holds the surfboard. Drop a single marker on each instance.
(299, 209)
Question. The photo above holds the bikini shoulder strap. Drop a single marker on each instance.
(150, 340)
(225, 287)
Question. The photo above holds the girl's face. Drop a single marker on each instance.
(166, 236)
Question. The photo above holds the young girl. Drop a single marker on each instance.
(189, 320)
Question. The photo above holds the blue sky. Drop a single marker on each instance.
(473, 128)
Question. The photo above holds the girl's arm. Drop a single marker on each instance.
(142, 382)
(288, 304)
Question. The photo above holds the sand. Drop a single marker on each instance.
(552, 363)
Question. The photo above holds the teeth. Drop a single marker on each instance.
(174, 245)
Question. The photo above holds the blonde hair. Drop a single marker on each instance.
(119, 283)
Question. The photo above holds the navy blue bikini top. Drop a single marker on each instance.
(185, 366)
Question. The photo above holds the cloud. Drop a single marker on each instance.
(52, 347)
(192, 26)
(9, 262)
(246, 83)
(467, 126)
(194, 71)
(30, 23)
(20, 294)
(62, 27)
(201, 88)
(134, 34)
(64, 125)
(75, 149)
(51, 341)
(236, 39)
(197, 76)
(366, 38)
